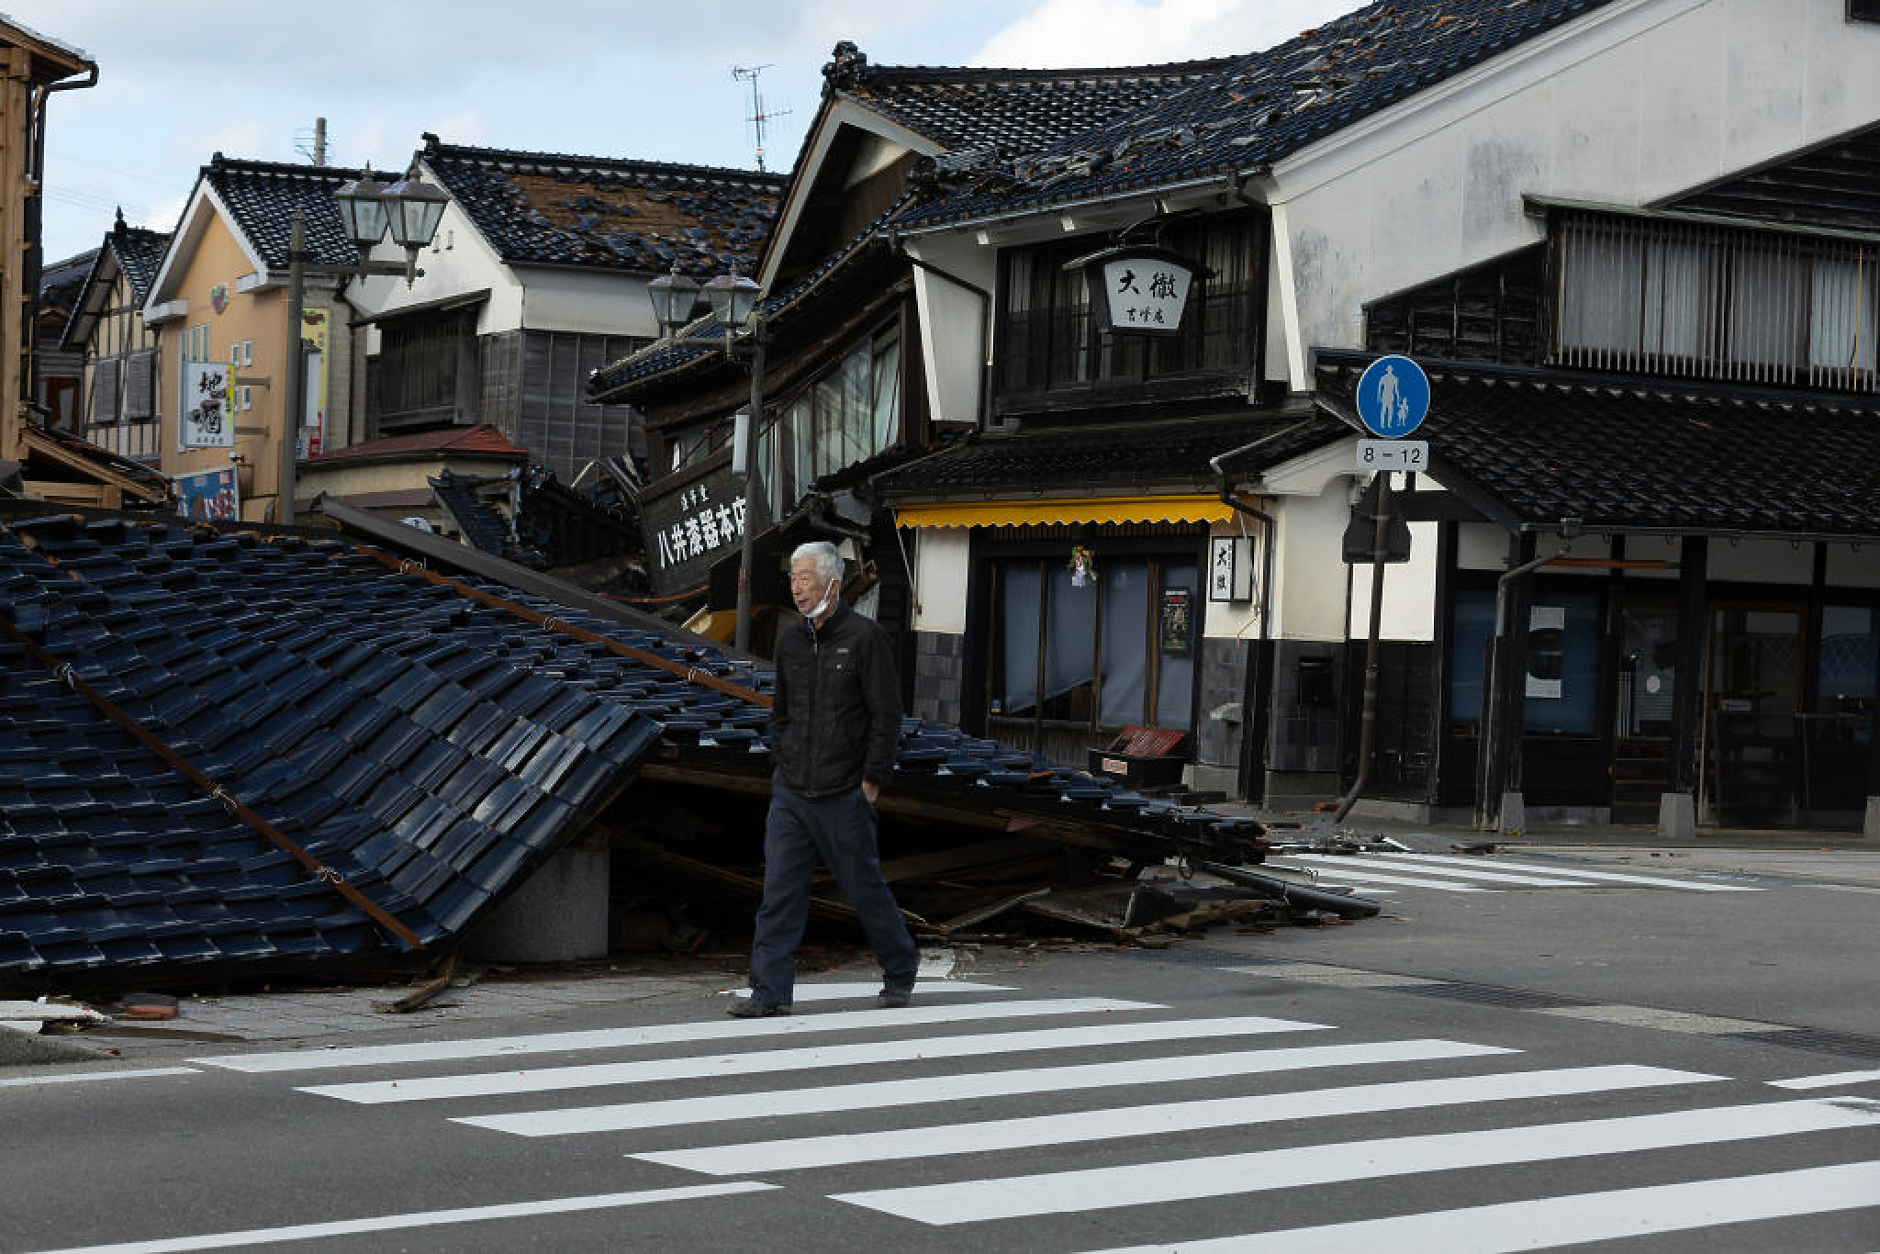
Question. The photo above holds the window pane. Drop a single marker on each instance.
(1070, 660)
(1474, 623)
(1766, 309)
(1677, 299)
(887, 393)
(1842, 315)
(857, 407)
(1125, 641)
(1847, 674)
(1599, 306)
(1015, 685)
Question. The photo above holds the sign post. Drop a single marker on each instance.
(1393, 398)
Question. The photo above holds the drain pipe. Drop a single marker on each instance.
(1263, 604)
(1494, 753)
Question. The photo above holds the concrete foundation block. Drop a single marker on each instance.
(559, 915)
(1871, 828)
(1677, 816)
(1513, 819)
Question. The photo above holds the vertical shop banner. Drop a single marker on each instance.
(210, 494)
(207, 422)
(313, 341)
(1177, 623)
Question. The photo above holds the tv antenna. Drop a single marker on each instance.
(758, 116)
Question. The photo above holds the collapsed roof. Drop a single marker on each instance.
(227, 750)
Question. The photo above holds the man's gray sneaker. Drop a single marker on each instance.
(893, 998)
(751, 1008)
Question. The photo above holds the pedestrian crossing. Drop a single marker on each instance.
(1134, 1087)
(1385, 872)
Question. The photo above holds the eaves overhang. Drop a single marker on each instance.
(1544, 206)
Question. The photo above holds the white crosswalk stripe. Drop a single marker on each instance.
(1547, 1223)
(1575, 872)
(1137, 1121)
(829, 1118)
(1188, 1179)
(429, 1088)
(1476, 875)
(890, 1094)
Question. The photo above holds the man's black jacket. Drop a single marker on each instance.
(836, 717)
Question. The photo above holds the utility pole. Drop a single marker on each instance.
(758, 116)
(315, 153)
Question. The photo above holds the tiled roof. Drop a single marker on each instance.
(1627, 453)
(262, 196)
(134, 251)
(637, 216)
(1145, 456)
(1254, 109)
(704, 339)
(1832, 185)
(1003, 113)
(139, 253)
(426, 745)
(481, 438)
(477, 520)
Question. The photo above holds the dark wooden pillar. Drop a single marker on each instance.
(1677, 811)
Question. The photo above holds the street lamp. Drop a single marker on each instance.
(734, 301)
(411, 210)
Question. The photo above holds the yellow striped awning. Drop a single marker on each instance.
(1082, 509)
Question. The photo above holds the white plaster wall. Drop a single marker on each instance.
(1309, 601)
(954, 324)
(1849, 567)
(1481, 546)
(458, 261)
(1237, 619)
(1409, 609)
(1632, 104)
(940, 575)
(1762, 561)
(588, 301)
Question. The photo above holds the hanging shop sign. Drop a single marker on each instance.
(691, 521)
(206, 419)
(1140, 291)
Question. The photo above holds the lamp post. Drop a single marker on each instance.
(733, 299)
(411, 210)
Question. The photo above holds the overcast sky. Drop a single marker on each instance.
(182, 80)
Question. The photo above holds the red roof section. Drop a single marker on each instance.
(482, 438)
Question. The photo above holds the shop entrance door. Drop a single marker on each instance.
(1750, 706)
(1642, 706)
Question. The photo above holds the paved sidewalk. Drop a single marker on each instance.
(348, 1014)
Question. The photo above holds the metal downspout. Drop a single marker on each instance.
(35, 260)
(1263, 605)
(1494, 752)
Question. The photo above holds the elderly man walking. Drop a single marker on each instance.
(833, 730)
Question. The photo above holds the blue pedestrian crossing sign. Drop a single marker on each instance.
(1393, 397)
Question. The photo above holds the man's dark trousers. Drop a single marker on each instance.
(840, 831)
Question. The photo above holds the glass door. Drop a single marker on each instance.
(1750, 715)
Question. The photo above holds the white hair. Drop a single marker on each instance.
(828, 560)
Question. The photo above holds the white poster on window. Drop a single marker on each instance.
(206, 420)
(1546, 651)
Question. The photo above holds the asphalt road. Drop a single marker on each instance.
(1686, 1063)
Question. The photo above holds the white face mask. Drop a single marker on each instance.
(822, 606)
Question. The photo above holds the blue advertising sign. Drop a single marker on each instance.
(1393, 397)
(209, 494)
